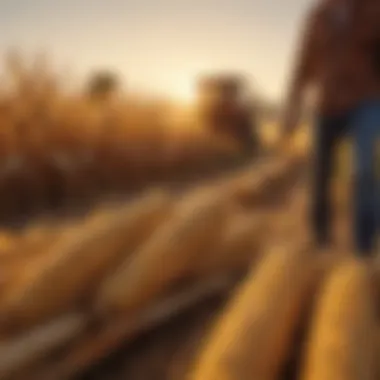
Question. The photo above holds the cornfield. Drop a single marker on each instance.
(61, 149)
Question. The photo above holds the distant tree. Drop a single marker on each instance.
(102, 85)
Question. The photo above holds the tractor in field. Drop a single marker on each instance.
(224, 109)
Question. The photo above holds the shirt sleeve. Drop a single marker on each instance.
(369, 19)
(306, 52)
(369, 32)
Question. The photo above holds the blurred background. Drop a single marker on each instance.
(101, 99)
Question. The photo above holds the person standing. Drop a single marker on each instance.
(339, 55)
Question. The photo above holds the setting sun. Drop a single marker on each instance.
(184, 91)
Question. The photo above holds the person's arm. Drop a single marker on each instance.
(371, 35)
(302, 75)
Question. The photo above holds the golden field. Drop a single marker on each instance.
(60, 148)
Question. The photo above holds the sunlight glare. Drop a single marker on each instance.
(184, 91)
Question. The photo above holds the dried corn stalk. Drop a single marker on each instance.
(80, 263)
(167, 256)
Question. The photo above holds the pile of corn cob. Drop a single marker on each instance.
(71, 295)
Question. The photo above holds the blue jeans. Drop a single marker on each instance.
(363, 124)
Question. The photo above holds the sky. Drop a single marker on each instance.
(160, 45)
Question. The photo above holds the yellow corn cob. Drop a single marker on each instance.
(238, 247)
(167, 256)
(81, 262)
(7, 243)
(341, 341)
(377, 353)
(271, 178)
(252, 339)
(375, 284)
(24, 260)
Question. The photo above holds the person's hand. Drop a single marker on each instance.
(287, 130)
(289, 122)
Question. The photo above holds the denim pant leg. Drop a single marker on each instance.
(329, 130)
(366, 130)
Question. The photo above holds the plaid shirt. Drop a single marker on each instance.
(337, 54)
